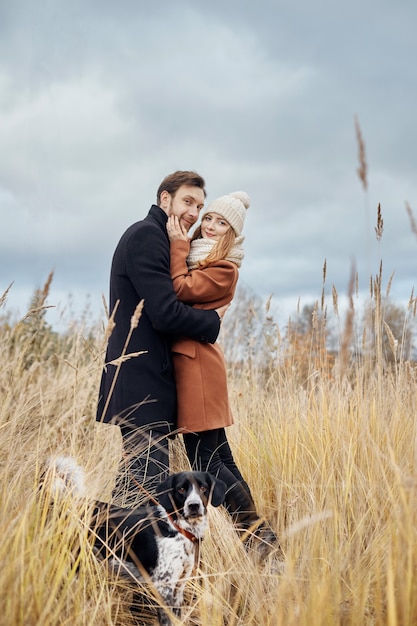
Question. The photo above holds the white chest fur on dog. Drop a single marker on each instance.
(159, 541)
(176, 559)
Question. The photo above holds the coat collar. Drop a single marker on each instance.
(159, 215)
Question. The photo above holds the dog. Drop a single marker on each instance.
(156, 543)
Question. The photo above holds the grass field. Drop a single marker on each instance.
(328, 446)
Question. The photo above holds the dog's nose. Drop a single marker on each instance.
(194, 507)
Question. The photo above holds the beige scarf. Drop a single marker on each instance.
(201, 248)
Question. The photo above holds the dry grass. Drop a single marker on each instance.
(331, 461)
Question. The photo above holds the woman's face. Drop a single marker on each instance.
(213, 226)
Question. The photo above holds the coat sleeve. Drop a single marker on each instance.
(199, 286)
(148, 268)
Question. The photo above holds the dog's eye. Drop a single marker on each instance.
(181, 490)
(203, 489)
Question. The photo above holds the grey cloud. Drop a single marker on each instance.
(99, 100)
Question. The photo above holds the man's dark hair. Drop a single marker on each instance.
(173, 182)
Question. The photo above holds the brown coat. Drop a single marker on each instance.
(200, 369)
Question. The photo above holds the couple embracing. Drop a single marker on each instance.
(178, 383)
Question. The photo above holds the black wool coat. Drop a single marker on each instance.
(144, 391)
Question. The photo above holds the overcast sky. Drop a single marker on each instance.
(99, 100)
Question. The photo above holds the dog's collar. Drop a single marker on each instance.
(189, 535)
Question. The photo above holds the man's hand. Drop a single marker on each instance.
(176, 232)
(222, 310)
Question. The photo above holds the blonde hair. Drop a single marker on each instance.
(222, 248)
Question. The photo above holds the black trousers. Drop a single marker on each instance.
(210, 451)
(145, 462)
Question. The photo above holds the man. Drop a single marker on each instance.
(139, 394)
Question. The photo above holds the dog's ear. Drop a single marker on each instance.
(217, 490)
(164, 491)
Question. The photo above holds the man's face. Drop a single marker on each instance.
(186, 204)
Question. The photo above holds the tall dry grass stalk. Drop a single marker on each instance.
(379, 228)
(413, 222)
(124, 355)
(362, 170)
(348, 331)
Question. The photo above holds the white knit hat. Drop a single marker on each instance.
(232, 207)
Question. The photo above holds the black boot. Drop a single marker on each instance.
(255, 532)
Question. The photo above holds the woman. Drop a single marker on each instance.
(204, 273)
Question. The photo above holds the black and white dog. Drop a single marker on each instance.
(156, 543)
